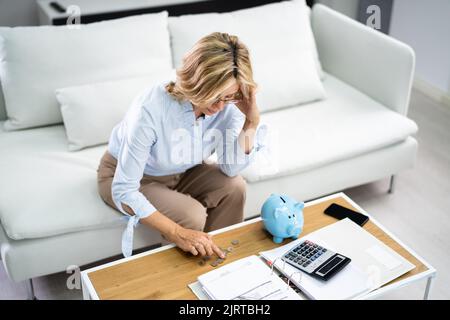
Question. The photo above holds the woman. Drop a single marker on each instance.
(145, 176)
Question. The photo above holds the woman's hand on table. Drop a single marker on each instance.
(195, 242)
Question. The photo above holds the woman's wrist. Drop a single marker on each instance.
(168, 228)
(251, 123)
(175, 232)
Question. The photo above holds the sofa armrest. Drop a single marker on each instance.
(372, 62)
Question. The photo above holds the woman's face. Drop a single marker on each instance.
(229, 95)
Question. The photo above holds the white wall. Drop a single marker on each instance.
(425, 26)
(18, 13)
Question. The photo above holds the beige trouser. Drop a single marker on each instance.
(202, 198)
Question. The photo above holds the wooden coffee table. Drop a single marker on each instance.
(165, 272)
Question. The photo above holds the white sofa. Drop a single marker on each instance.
(358, 134)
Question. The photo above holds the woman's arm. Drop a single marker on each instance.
(138, 137)
(188, 240)
(132, 158)
(195, 242)
(246, 137)
(236, 150)
(249, 108)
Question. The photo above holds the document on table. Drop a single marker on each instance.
(346, 284)
(378, 261)
(373, 263)
(245, 279)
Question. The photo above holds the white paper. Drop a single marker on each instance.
(197, 290)
(349, 239)
(348, 283)
(275, 289)
(384, 257)
(245, 279)
(234, 279)
(377, 266)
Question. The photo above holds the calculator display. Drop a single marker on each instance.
(330, 265)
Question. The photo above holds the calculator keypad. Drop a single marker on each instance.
(308, 256)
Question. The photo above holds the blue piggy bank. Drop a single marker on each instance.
(282, 217)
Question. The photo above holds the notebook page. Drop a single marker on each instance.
(236, 278)
(275, 289)
(245, 279)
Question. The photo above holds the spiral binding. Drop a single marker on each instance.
(288, 277)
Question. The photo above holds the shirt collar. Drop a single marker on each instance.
(187, 106)
(206, 116)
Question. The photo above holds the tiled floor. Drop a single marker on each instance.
(418, 212)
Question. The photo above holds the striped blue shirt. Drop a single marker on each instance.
(160, 136)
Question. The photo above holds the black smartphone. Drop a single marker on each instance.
(341, 212)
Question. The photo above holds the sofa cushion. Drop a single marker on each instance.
(91, 111)
(347, 124)
(46, 190)
(282, 48)
(34, 61)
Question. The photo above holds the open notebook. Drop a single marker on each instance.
(373, 264)
(245, 279)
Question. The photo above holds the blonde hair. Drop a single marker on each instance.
(210, 67)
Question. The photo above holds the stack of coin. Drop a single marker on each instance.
(214, 263)
(218, 261)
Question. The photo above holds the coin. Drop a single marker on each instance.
(220, 260)
(201, 262)
(229, 249)
(206, 258)
(235, 242)
(214, 264)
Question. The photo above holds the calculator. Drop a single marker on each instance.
(315, 260)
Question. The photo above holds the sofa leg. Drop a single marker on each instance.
(30, 290)
(392, 184)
